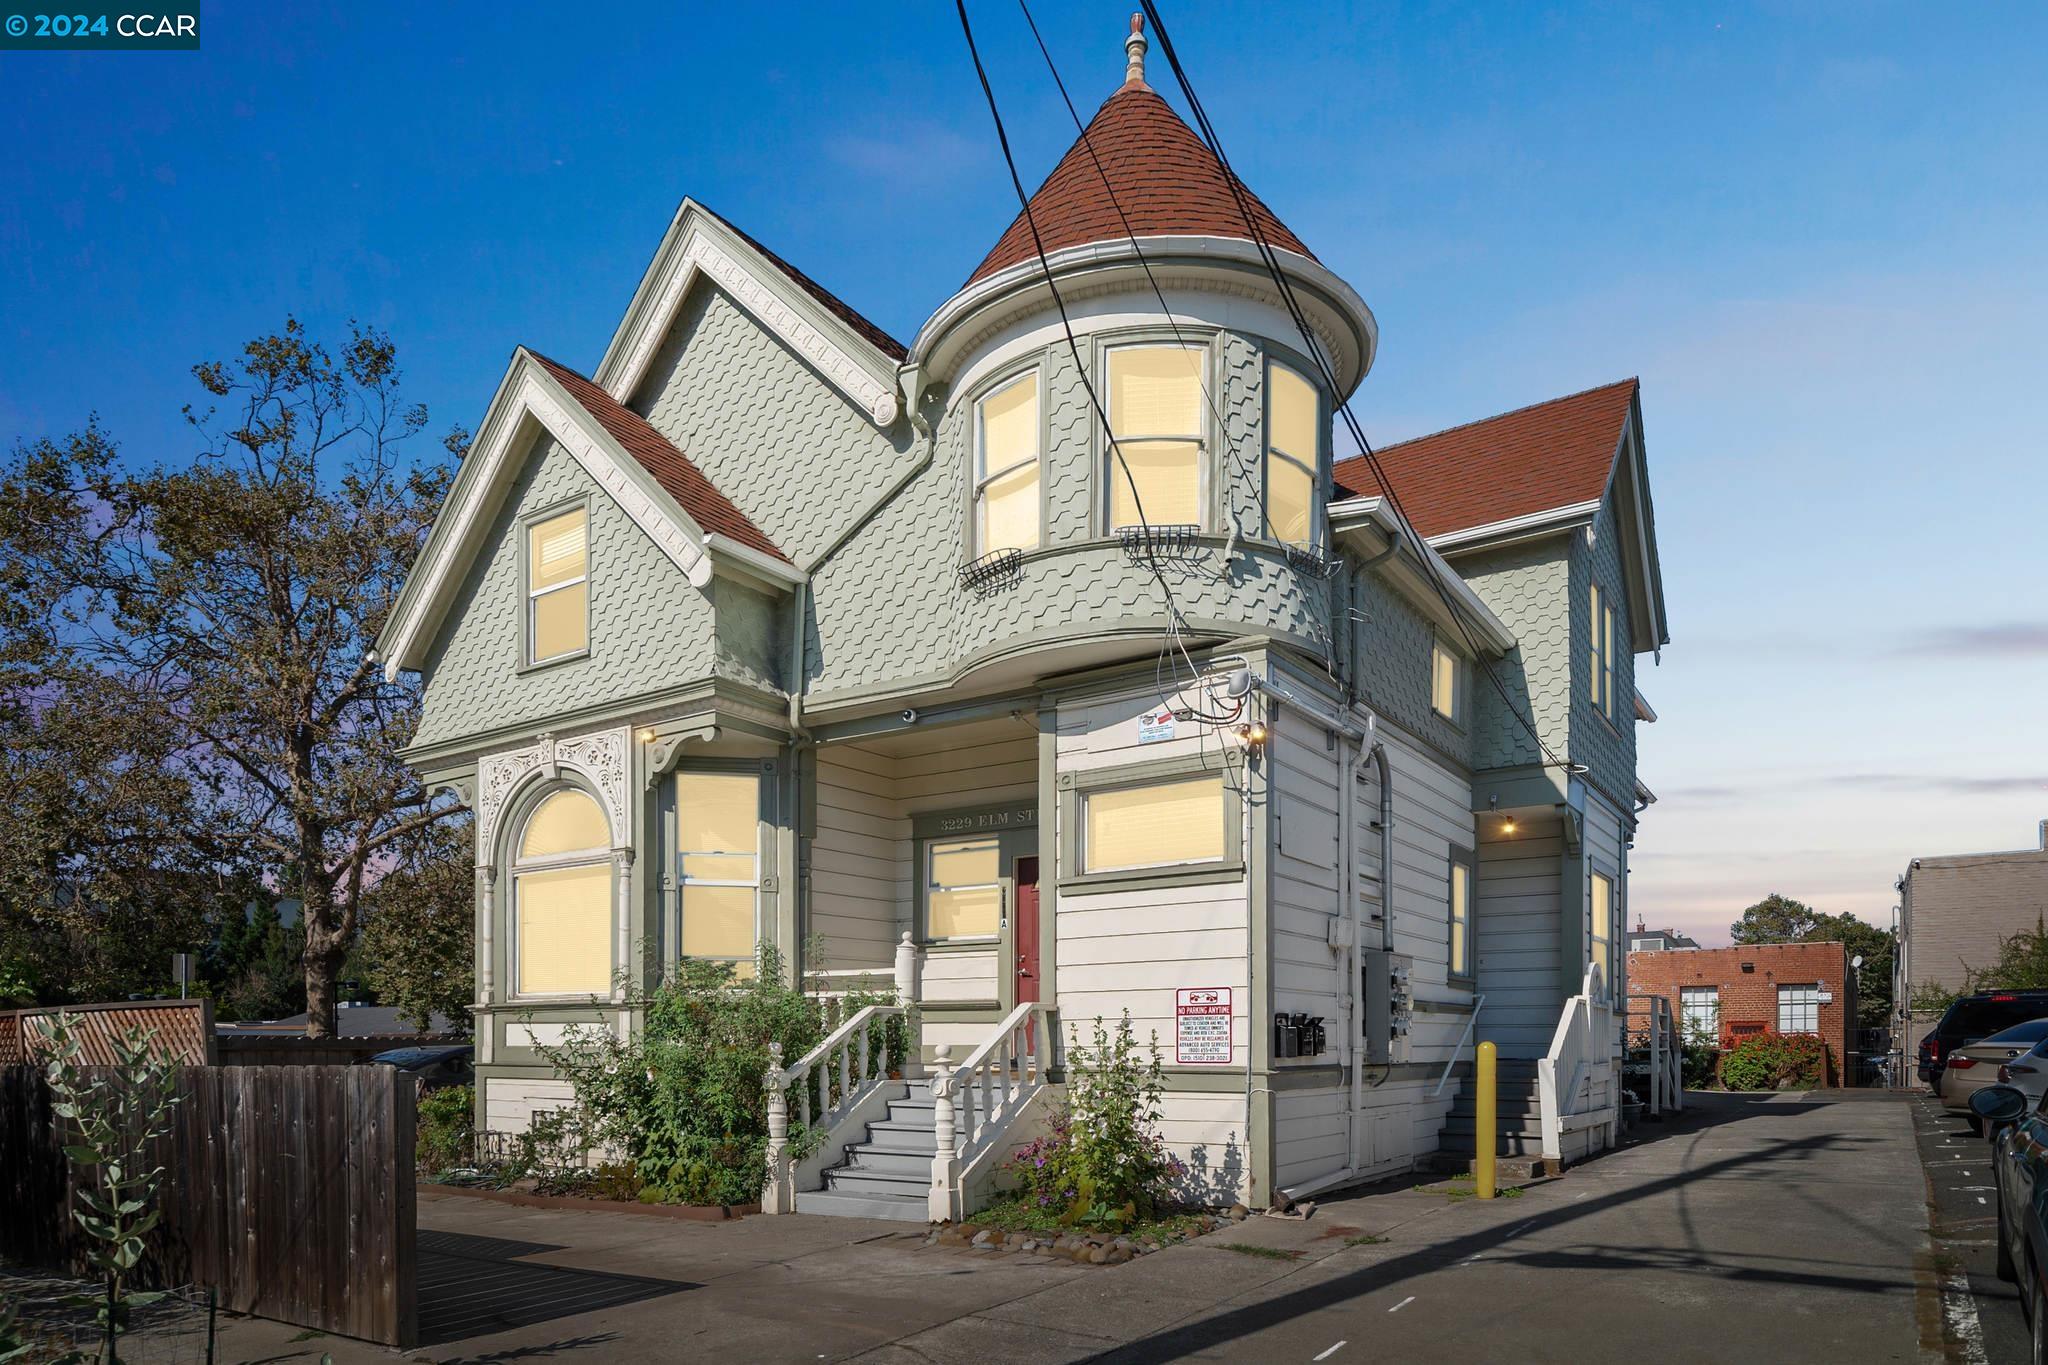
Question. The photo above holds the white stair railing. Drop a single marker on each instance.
(846, 1068)
(975, 1100)
(1580, 1049)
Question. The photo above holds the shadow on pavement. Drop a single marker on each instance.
(469, 1286)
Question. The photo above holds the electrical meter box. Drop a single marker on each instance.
(1389, 1004)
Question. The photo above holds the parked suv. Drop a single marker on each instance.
(1972, 1019)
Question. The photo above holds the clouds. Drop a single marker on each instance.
(2009, 640)
(1907, 783)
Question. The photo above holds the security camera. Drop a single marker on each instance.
(910, 715)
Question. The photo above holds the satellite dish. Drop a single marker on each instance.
(1856, 961)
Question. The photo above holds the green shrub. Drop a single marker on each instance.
(447, 1128)
(1775, 1061)
(1103, 1163)
(682, 1104)
(1698, 1064)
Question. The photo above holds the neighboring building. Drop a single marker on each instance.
(1953, 913)
(1646, 940)
(1730, 993)
(776, 629)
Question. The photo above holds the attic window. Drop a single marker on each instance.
(1155, 411)
(558, 587)
(1600, 631)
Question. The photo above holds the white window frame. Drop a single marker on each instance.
(517, 865)
(1000, 884)
(983, 476)
(533, 594)
(684, 881)
(1110, 465)
(1803, 997)
(1603, 933)
(1695, 1005)
(1601, 628)
(1313, 468)
(1462, 860)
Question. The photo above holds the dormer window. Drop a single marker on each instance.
(1155, 409)
(1293, 456)
(558, 587)
(1006, 461)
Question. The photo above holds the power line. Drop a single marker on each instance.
(1315, 351)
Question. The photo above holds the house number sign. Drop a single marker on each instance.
(1201, 1026)
(981, 821)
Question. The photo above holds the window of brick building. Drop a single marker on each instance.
(1799, 1009)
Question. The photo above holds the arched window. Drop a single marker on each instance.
(562, 899)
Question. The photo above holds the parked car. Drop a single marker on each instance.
(435, 1066)
(1976, 1065)
(1971, 1018)
(2019, 1170)
(2028, 1072)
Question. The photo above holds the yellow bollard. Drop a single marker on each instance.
(1488, 1131)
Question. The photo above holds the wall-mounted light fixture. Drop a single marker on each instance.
(1507, 822)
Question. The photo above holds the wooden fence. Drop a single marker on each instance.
(183, 1028)
(288, 1189)
(296, 1049)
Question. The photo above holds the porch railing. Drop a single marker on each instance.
(848, 1067)
(1656, 1050)
(977, 1099)
(1580, 1049)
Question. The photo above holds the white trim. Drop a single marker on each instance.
(1521, 527)
(1644, 711)
(1373, 512)
(486, 477)
(772, 301)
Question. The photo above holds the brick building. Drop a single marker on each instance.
(1757, 988)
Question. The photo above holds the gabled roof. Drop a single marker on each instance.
(844, 311)
(672, 469)
(1166, 180)
(1536, 459)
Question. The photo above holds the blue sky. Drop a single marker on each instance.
(1813, 229)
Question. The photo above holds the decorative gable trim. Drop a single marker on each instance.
(487, 475)
(699, 243)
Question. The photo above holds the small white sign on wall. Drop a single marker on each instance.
(1155, 725)
(1201, 1026)
(1827, 997)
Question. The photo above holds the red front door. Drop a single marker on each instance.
(1026, 930)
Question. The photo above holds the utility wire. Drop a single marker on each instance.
(1315, 350)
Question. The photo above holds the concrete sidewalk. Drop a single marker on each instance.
(1764, 1228)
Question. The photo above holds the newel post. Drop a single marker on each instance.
(907, 963)
(944, 1202)
(779, 1194)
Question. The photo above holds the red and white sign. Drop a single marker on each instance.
(1201, 1026)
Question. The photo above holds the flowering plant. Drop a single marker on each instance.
(1102, 1161)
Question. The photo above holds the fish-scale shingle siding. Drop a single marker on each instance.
(649, 629)
(1528, 588)
(785, 446)
(1392, 648)
(1606, 747)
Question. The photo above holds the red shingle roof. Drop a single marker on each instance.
(672, 469)
(1530, 460)
(1166, 181)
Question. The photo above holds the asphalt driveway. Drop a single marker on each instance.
(1779, 1228)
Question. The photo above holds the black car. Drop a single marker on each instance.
(1975, 1017)
(436, 1065)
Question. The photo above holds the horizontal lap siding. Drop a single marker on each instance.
(960, 977)
(1518, 922)
(1396, 1123)
(860, 862)
(1207, 1132)
(1308, 974)
(1605, 852)
(510, 1103)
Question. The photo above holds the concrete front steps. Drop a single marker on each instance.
(889, 1174)
(1518, 1124)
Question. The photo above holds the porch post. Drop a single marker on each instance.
(907, 964)
(779, 1193)
(942, 1204)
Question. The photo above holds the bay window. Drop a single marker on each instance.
(1155, 409)
(1006, 468)
(718, 865)
(1293, 455)
(562, 899)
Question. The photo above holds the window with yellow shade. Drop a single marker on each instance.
(718, 852)
(558, 587)
(1461, 913)
(963, 889)
(1600, 910)
(1160, 824)
(1155, 410)
(1006, 465)
(1293, 455)
(562, 899)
